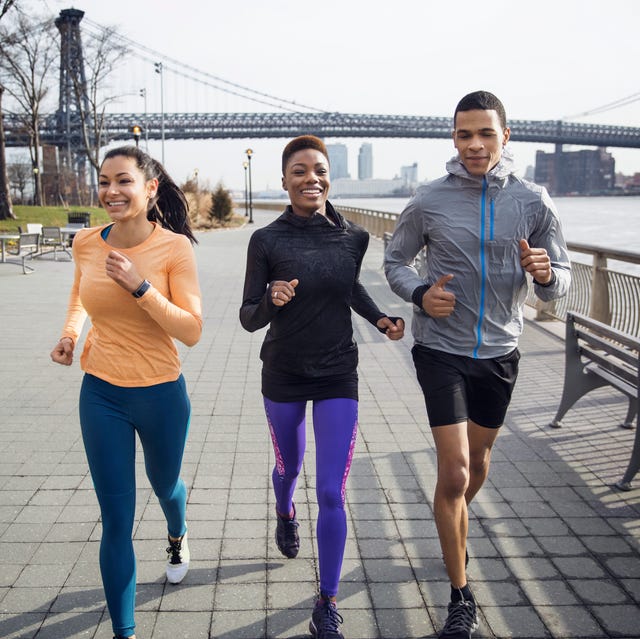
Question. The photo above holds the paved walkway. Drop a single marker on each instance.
(554, 549)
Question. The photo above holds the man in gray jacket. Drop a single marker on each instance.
(484, 230)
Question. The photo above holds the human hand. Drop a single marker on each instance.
(63, 352)
(535, 261)
(283, 292)
(392, 327)
(437, 302)
(123, 271)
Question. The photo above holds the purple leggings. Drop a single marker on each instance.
(335, 424)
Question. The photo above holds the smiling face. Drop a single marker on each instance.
(123, 190)
(306, 179)
(479, 138)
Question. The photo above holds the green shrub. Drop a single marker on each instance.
(221, 204)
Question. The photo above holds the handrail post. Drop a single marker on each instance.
(599, 309)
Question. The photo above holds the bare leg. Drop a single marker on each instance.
(450, 507)
(481, 440)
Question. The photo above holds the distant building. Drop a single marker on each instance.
(365, 162)
(584, 172)
(409, 175)
(344, 187)
(338, 161)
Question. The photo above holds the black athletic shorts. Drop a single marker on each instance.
(457, 388)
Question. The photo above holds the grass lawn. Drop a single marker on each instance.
(48, 216)
(57, 216)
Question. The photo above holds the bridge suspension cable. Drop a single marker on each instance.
(610, 106)
(203, 77)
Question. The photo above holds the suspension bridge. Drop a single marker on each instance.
(282, 118)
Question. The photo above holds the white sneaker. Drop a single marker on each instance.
(177, 560)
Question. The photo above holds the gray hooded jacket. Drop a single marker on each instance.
(471, 227)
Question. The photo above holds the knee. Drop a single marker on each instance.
(167, 492)
(330, 497)
(479, 463)
(453, 480)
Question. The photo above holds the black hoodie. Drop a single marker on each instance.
(308, 351)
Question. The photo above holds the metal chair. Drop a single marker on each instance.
(27, 247)
(34, 227)
(52, 240)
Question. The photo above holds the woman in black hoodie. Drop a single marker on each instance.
(302, 279)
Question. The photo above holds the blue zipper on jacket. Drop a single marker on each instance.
(483, 260)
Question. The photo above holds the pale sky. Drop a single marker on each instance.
(545, 59)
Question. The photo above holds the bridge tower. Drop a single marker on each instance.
(72, 102)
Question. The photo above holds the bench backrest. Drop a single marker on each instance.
(611, 349)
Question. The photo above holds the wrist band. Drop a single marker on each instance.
(142, 289)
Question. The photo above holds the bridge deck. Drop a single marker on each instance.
(555, 550)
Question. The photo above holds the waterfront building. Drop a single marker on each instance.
(409, 175)
(344, 187)
(584, 172)
(338, 161)
(365, 161)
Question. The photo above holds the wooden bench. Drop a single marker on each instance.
(598, 355)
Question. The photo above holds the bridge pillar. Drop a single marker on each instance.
(72, 101)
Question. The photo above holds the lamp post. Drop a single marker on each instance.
(160, 70)
(136, 130)
(249, 153)
(246, 195)
(36, 186)
(143, 94)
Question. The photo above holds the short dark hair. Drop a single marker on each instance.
(484, 101)
(300, 143)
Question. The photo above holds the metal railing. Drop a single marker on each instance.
(610, 296)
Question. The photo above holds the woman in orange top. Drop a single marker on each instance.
(137, 281)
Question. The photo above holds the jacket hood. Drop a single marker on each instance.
(503, 169)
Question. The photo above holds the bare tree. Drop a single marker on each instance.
(26, 56)
(19, 175)
(5, 5)
(6, 208)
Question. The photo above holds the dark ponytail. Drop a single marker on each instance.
(169, 206)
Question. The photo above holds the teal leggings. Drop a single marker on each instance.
(110, 417)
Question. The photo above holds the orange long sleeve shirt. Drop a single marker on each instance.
(130, 342)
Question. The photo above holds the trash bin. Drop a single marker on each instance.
(79, 217)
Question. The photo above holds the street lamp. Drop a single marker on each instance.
(246, 195)
(136, 130)
(249, 153)
(159, 69)
(36, 187)
(143, 94)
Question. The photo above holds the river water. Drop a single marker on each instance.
(607, 222)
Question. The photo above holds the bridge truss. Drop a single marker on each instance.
(200, 126)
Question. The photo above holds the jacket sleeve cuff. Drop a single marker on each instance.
(550, 282)
(416, 296)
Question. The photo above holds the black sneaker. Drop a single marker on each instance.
(325, 620)
(287, 538)
(461, 621)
